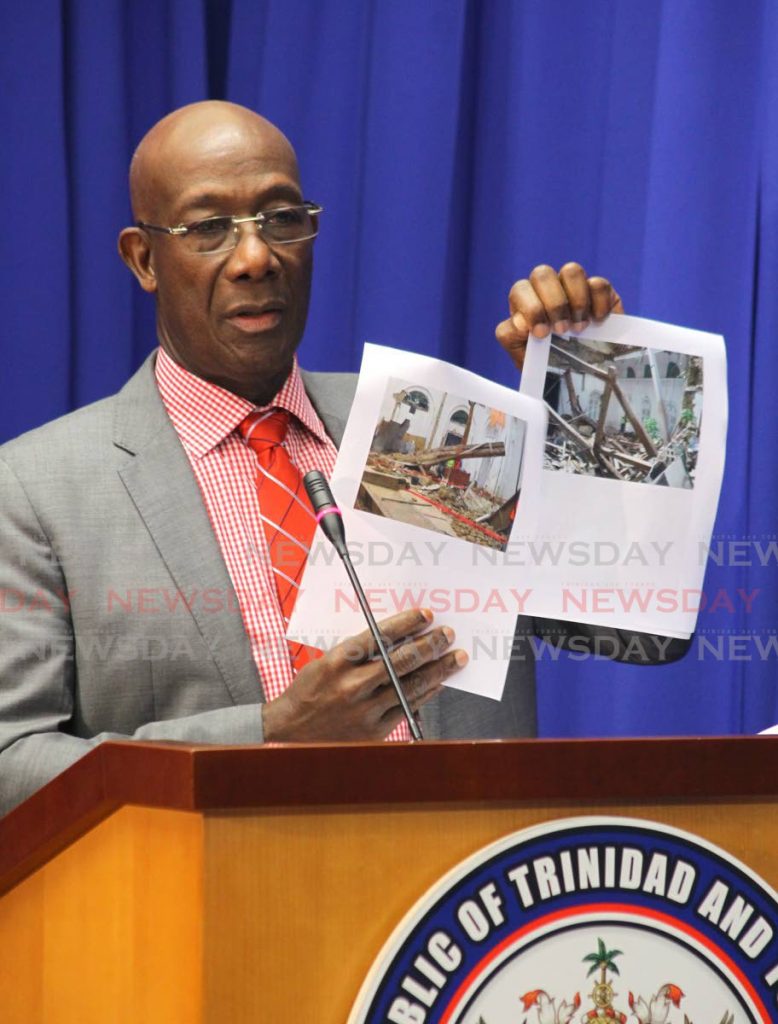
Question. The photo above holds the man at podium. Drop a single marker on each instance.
(138, 546)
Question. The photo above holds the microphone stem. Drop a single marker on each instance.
(412, 723)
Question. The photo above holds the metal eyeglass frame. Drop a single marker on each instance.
(259, 219)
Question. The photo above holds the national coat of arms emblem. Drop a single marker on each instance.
(584, 921)
(654, 1009)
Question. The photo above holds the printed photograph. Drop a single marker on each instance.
(444, 463)
(623, 412)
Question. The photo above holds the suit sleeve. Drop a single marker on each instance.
(37, 665)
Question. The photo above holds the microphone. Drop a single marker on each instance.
(329, 517)
(326, 511)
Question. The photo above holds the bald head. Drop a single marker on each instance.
(194, 137)
(232, 316)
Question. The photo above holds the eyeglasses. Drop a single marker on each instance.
(282, 226)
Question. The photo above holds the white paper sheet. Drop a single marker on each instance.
(405, 565)
(582, 548)
(654, 537)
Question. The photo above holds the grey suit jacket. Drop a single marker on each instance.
(118, 617)
(117, 614)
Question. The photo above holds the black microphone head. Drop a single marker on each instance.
(318, 490)
(326, 511)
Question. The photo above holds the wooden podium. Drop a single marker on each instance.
(167, 883)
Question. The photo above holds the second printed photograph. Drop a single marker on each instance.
(623, 412)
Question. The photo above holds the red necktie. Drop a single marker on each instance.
(288, 520)
(286, 513)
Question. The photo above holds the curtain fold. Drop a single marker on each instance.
(454, 144)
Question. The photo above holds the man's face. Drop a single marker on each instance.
(234, 318)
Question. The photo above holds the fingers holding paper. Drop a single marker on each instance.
(547, 300)
(347, 695)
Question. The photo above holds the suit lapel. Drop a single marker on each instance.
(161, 484)
(331, 395)
(160, 481)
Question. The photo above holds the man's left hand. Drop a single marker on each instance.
(547, 300)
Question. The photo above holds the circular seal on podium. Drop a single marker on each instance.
(580, 921)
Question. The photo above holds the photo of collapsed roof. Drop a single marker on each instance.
(444, 463)
(623, 412)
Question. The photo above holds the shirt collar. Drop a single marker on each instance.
(204, 414)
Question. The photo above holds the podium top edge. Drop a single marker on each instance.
(210, 779)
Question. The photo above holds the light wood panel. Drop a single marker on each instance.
(298, 905)
(183, 911)
(21, 953)
(110, 929)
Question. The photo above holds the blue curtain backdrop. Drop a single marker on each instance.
(454, 144)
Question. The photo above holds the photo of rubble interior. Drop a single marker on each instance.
(623, 412)
(444, 463)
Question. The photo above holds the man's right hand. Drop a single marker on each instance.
(549, 301)
(347, 695)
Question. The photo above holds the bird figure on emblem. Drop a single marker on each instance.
(657, 1010)
(548, 1011)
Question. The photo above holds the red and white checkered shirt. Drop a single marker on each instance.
(206, 418)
